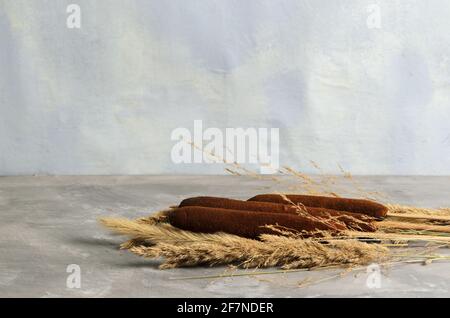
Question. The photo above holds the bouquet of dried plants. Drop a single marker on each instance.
(218, 231)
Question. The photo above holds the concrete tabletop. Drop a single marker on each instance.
(49, 223)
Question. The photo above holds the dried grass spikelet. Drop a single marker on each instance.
(157, 217)
(271, 251)
(154, 233)
(183, 248)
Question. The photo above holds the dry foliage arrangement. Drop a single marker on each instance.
(154, 239)
(289, 232)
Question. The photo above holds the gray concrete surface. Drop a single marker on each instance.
(47, 223)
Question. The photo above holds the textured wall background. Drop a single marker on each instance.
(104, 99)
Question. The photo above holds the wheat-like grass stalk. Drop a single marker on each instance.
(158, 232)
(183, 248)
(271, 251)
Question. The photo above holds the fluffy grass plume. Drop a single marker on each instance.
(179, 248)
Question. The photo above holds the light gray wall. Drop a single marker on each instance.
(104, 99)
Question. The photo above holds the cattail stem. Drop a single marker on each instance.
(419, 216)
(413, 226)
(397, 236)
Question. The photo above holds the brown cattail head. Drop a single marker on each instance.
(247, 223)
(353, 221)
(225, 203)
(361, 206)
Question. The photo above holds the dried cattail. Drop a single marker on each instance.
(367, 207)
(246, 223)
(353, 221)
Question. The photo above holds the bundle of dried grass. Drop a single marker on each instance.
(180, 248)
(152, 237)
